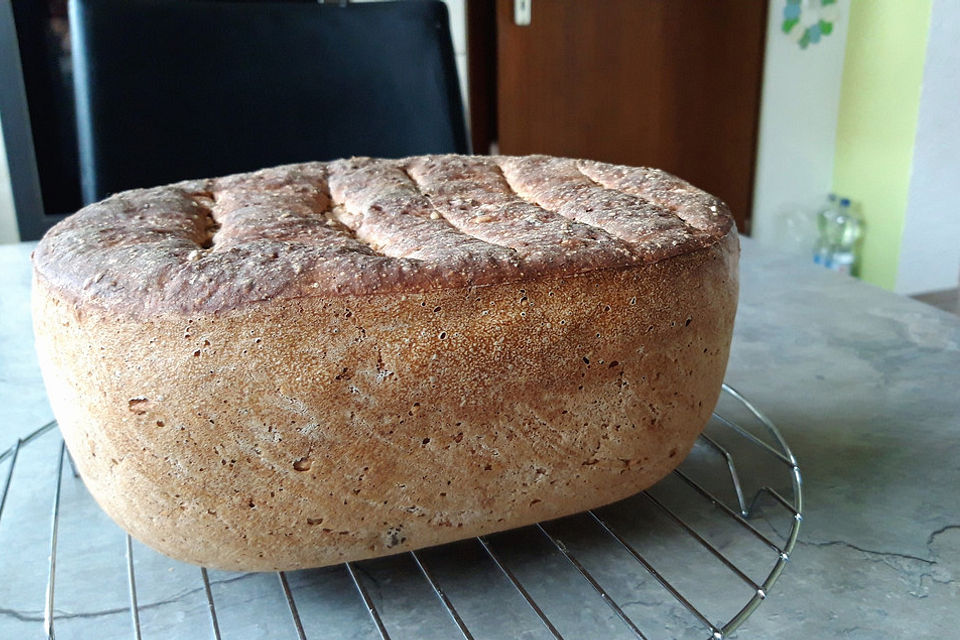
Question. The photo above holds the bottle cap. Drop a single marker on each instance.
(844, 202)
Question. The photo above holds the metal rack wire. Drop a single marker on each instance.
(727, 444)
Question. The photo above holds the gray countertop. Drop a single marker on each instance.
(862, 383)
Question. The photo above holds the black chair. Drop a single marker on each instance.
(168, 90)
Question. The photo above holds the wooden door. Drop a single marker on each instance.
(673, 84)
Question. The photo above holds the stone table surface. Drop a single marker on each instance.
(862, 383)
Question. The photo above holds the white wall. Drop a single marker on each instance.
(798, 121)
(8, 221)
(458, 30)
(930, 246)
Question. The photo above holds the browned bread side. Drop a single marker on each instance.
(384, 382)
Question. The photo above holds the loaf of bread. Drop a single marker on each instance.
(326, 362)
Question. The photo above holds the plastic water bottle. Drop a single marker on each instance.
(845, 231)
(796, 229)
(823, 249)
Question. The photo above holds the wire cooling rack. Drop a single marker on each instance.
(692, 557)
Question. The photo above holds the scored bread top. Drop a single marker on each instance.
(365, 225)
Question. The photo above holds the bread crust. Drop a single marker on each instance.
(304, 430)
(365, 226)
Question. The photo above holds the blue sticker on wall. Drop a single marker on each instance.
(807, 21)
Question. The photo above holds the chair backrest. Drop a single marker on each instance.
(168, 90)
